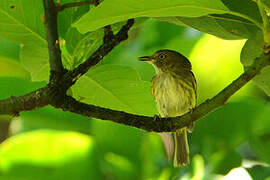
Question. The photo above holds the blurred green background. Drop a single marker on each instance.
(48, 144)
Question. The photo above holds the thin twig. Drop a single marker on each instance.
(266, 26)
(56, 65)
(74, 4)
(102, 51)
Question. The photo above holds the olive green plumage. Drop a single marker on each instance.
(174, 89)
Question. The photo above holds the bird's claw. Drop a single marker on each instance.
(157, 117)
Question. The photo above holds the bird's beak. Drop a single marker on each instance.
(146, 58)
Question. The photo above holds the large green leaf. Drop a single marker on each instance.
(217, 135)
(109, 12)
(9, 49)
(14, 86)
(81, 46)
(224, 26)
(48, 154)
(51, 118)
(244, 8)
(259, 139)
(11, 68)
(242, 20)
(69, 15)
(252, 49)
(115, 87)
(21, 22)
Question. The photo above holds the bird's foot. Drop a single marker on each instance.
(157, 117)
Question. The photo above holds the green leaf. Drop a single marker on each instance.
(50, 154)
(35, 59)
(252, 49)
(217, 135)
(70, 15)
(21, 22)
(244, 8)
(115, 87)
(224, 26)
(81, 46)
(11, 68)
(109, 12)
(259, 172)
(51, 118)
(242, 20)
(14, 86)
(224, 161)
(121, 140)
(259, 139)
(267, 5)
(9, 49)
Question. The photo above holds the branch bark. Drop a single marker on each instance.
(39, 98)
(167, 124)
(110, 41)
(54, 93)
(55, 60)
(27, 102)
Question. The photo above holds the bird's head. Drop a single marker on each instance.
(168, 60)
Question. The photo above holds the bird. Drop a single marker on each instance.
(174, 89)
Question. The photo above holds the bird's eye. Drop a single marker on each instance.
(162, 56)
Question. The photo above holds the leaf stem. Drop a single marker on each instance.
(266, 26)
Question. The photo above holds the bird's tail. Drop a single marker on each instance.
(176, 146)
(181, 150)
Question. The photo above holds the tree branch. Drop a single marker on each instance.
(74, 4)
(110, 41)
(47, 95)
(167, 124)
(27, 102)
(56, 65)
(54, 93)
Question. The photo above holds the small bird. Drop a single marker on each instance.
(174, 89)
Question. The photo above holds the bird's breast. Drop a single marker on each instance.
(173, 97)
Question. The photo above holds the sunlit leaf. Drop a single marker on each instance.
(9, 49)
(81, 46)
(14, 86)
(224, 26)
(21, 22)
(116, 87)
(109, 12)
(252, 50)
(51, 118)
(242, 21)
(48, 154)
(70, 15)
(11, 68)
